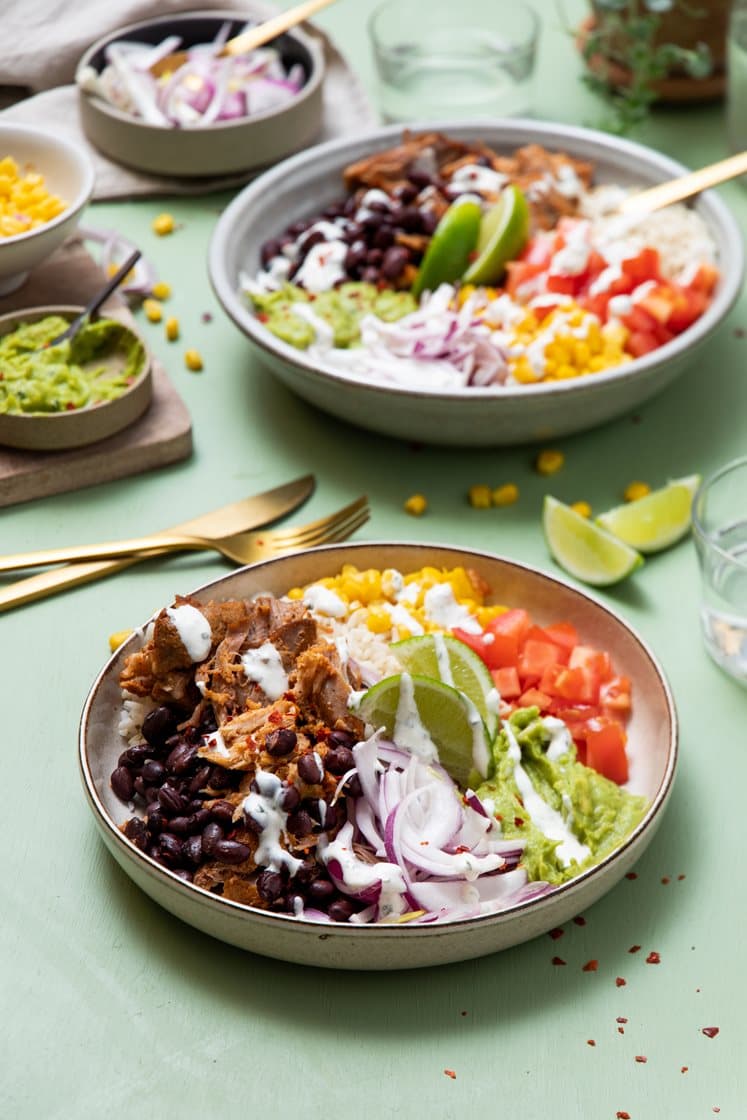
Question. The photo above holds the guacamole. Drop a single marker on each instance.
(569, 816)
(341, 308)
(99, 364)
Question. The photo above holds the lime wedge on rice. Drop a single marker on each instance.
(503, 233)
(447, 659)
(430, 710)
(585, 550)
(657, 520)
(450, 247)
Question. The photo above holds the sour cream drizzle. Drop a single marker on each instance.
(193, 630)
(409, 732)
(264, 666)
(264, 809)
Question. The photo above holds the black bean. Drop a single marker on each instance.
(307, 872)
(394, 262)
(370, 275)
(310, 240)
(310, 768)
(170, 849)
(153, 771)
(208, 723)
(139, 786)
(384, 236)
(420, 179)
(171, 801)
(341, 910)
(232, 851)
(136, 756)
(222, 812)
(374, 257)
(182, 873)
(212, 834)
(202, 817)
(136, 831)
(339, 760)
(156, 819)
(352, 787)
(123, 783)
(321, 890)
(192, 851)
(290, 799)
(193, 736)
(298, 227)
(269, 250)
(180, 758)
(429, 221)
(334, 210)
(405, 193)
(219, 778)
(182, 826)
(200, 780)
(355, 256)
(341, 738)
(332, 817)
(269, 885)
(371, 222)
(158, 725)
(411, 219)
(300, 823)
(352, 233)
(280, 741)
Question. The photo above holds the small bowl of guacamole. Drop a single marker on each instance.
(69, 394)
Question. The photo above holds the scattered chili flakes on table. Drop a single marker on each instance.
(621, 1019)
(710, 1032)
(591, 966)
(579, 921)
(591, 1042)
(680, 878)
(556, 933)
(631, 875)
(641, 1058)
(620, 981)
(450, 1073)
(621, 1030)
(653, 957)
(622, 1116)
(634, 949)
(684, 1069)
(558, 960)
(665, 879)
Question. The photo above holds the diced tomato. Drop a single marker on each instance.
(535, 657)
(514, 623)
(535, 697)
(605, 748)
(507, 682)
(475, 642)
(659, 304)
(523, 277)
(614, 696)
(644, 266)
(641, 342)
(688, 307)
(540, 250)
(563, 634)
(579, 685)
(705, 279)
(559, 282)
(597, 305)
(596, 660)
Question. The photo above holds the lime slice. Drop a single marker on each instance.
(447, 659)
(503, 233)
(431, 710)
(448, 252)
(657, 520)
(584, 549)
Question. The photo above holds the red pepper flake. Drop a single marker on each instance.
(622, 1116)
(641, 1058)
(579, 921)
(450, 1073)
(684, 1069)
(632, 875)
(591, 1042)
(621, 1019)
(653, 958)
(591, 966)
(206, 317)
(462, 1012)
(739, 332)
(680, 878)
(262, 316)
(634, 949)
(556, 933)
(710, 1032)
(716, 1108)
(518, 822)
(665, 879)
(621, 1030)
(558, 960)
(461, 848)
(620, 981)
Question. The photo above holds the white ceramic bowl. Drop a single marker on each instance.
(652, 746)
(67, 173)
(227, 147)
(515, 414)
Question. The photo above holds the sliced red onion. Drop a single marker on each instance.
(115, 248)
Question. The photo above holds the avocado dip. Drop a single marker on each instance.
(296, 316)
(98, 365)
(569, 816)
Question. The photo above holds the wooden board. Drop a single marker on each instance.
(161, 436)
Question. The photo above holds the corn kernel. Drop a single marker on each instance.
(416, 505)
(549, 461)
(193, 360)
(479, 497)
(172, 328)
(25, 202)
(118, 638)
(506, 495)
(153, 310)
(295, 593)
(163, 224)
(635, 490)
(379, 621)
(583, 509)
(161, 290)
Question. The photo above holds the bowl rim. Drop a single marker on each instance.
(252, 196)
(203, 898)
(70, 311)
(309, 88)
(74, 153)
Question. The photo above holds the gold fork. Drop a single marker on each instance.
(242, 548)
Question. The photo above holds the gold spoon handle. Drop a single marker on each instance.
(693, 183)
(271, 28)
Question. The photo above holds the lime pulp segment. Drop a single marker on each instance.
(503, 233)
(657, 520)
(445, 658)
(448, 252)
(584, 549)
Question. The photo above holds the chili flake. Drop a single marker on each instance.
(556, 933)
(631, 875)
(591, 966)
(621, 1030)
(710, 1032)
(620, 982)
(558, 960)
(591, 1042)
(641, 1058)
(684, 1069)
(579, 921)
(621, 1019)
(634, 949)
(450, 1073)
(518, 822)
(680, 878)
(622, 1116)
(653, 958)
(665, 879)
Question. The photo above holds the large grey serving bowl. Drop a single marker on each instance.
(300, 187)
(652, 748)
(223, 148)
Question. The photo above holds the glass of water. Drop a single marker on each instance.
(453, 59)
(720, 530)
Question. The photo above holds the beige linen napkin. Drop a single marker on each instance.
(43, 40)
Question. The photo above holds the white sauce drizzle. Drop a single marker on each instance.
(264, 666)
(409, 732)
(359, 876)
(193, 630)
(473, 177)
(322, 266)
(264, 808)
(442, 609)
(442, 659)
(560, 738)
(320, 599)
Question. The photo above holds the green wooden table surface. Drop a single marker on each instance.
(113, 1007)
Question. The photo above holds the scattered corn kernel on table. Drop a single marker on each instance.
(113, 1004)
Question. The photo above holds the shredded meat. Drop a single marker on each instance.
(320, 686)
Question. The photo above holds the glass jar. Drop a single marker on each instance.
(736, 61)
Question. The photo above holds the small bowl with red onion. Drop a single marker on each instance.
(143, 810)
(211, 115)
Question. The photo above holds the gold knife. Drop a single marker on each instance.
(249, 513)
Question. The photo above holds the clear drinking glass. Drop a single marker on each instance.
(720, 531)
(736, 65)
(454, 58)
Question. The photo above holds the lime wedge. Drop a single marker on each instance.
(448, 252)
(657, 520)
(435, 711)
(447, 659)
(503, 233)
(584, 549)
